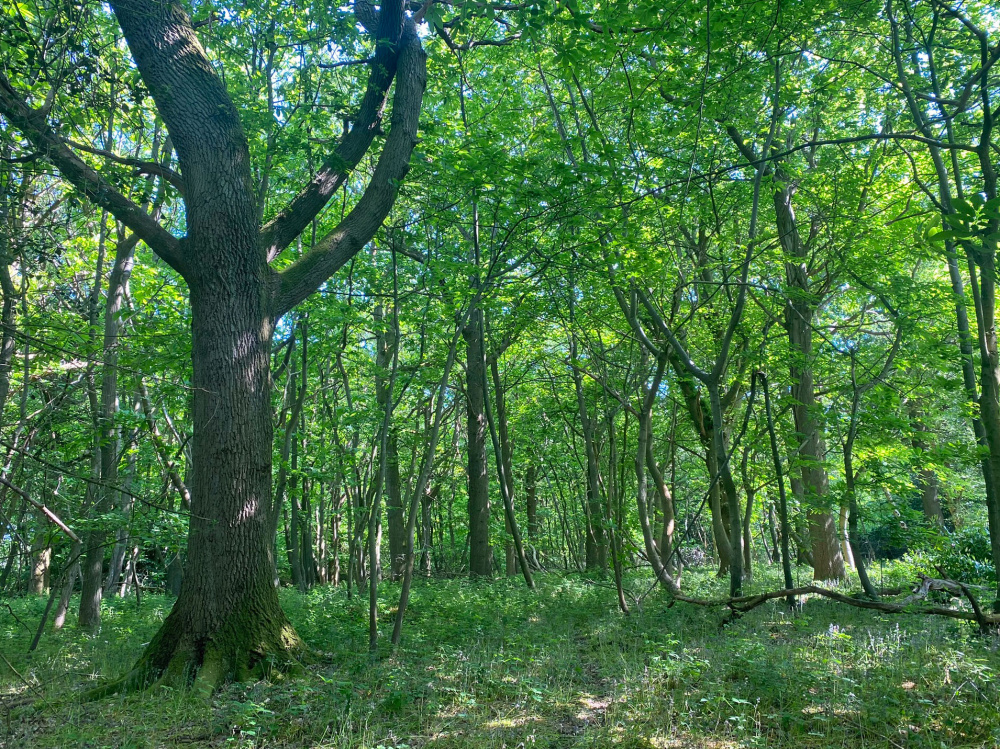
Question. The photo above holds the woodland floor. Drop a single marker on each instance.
(491, 665)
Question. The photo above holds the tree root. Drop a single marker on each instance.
(177, 661)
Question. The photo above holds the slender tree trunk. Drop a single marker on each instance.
(981, 259)
(505, 473)
(336, 503)
(786, 530)
(531, 501)
(93, 572)
(420, 489)
(666, 506)
(751, 493)
(480, 552)
(852, 498)
(8, 318)
(394, 508)
(41, 558)
(747, 537)
(844, 533)
(122, 535)
(427, 532)
(59, 620)
(642, 452)
(704, 426)
(926, 478)
(385, 342)
(828, 562)
(293, 531)
(501, 450)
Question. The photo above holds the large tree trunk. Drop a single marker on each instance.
(227, 618)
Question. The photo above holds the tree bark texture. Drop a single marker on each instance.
(480, 552)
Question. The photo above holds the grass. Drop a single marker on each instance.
(492, 665)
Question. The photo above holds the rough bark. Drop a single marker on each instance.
(480, 552)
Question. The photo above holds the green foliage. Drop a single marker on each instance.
(494, 665)
(965, 554)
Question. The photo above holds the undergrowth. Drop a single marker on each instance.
(490, 664)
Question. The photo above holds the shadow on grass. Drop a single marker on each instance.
(494, 665)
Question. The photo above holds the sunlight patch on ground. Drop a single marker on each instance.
(517, 721)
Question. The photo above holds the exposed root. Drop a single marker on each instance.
(176, 660)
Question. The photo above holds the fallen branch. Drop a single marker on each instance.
(743, 604)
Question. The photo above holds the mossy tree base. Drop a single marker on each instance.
(252, 644)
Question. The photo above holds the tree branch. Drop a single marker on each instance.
(304, 276)
(204, 124)
(278, 233)
(33, 125)
(152, 168)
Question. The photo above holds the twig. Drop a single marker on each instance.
(16, 618)
(27, 683)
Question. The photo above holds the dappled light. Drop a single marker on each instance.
(446, 374)
(496, 665)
